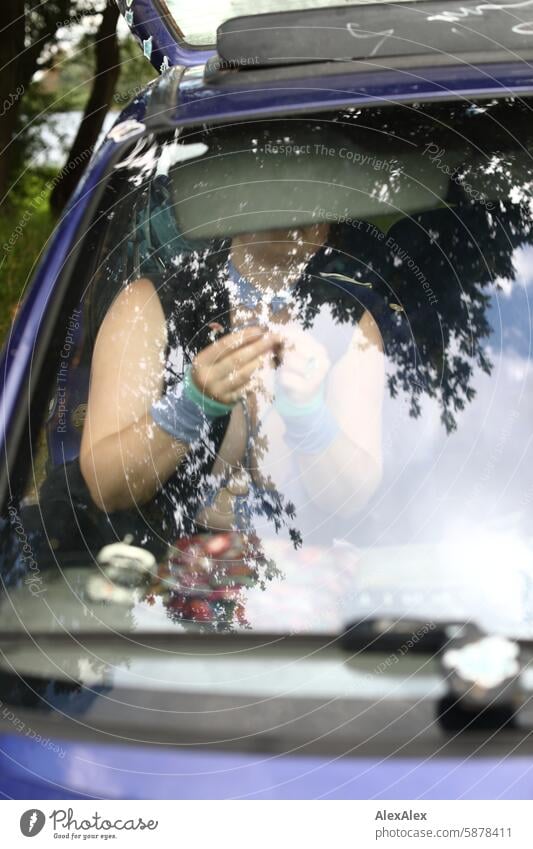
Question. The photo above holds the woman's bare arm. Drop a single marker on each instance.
(346, 474)
(125, 458)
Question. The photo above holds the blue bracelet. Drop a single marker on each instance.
(181, 415)
(309, 428)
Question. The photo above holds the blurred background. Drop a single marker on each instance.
(67, 68)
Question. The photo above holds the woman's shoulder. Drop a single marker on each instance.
(164, 287)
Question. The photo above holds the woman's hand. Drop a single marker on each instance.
(223, 370)
(305, 365)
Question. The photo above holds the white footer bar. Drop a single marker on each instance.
(268, 824)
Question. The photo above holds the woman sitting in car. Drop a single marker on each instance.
(244, 388)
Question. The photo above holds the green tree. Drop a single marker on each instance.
(106, 72)
(113, 72)
(29, 34)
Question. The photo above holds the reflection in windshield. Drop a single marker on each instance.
(308, 343)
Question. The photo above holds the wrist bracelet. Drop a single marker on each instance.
(180, 417)
(185, 413)
(213, 409)
(311, 433)
(309, 428)
(287, 408)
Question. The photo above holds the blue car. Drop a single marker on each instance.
(266, 426)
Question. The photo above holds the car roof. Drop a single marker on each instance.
(332, 57)
(188, 97)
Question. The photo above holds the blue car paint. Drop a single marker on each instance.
(30, 770)
(200, 101)
(79, 770)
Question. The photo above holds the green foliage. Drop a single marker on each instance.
(76, 71)
(27, 205)
(29, 212)
(135, 72)
(43, 22)
(77, 74)
(33, 116)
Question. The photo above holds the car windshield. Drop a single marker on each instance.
(199, 23)
(294, 393)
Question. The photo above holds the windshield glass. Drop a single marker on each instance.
(294, 394)
(199, 23)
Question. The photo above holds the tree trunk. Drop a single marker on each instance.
(12, 83)
(104, 81)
